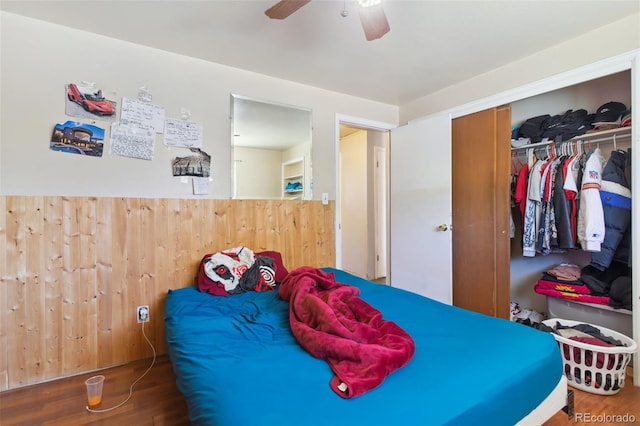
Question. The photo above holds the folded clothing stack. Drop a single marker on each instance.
(581, 284)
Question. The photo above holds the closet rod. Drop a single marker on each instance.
(532, 145)
(602, 139)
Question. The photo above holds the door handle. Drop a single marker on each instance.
(443, 227)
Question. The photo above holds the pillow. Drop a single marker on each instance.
(281, 271)
(238, 270)
(206, 284)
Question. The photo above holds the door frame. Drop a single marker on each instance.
(367, 125)
(381, 209)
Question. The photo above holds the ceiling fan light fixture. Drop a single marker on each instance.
(284, 8)
(369, 3)
(372, 17)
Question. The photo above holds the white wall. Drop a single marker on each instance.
(601, 43)
(354, 217)
(258, 173)
(38, 59)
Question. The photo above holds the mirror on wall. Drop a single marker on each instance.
(270, 150)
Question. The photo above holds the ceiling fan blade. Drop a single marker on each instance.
(284, 8)
(374, 21)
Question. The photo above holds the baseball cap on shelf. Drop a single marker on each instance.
(609, 113)
(625, 120)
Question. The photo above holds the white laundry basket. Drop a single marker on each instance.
(593, 368)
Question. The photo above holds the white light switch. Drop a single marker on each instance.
(325, 198)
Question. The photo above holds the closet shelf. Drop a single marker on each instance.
(596, 137)
(604, 136)
(293, 173)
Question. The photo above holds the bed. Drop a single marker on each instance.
(238, 363)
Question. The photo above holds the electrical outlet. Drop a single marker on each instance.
(143, 313)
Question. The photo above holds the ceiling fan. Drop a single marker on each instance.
(372, 17)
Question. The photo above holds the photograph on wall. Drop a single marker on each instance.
(77, 138)
(86, 101)
(198, 165)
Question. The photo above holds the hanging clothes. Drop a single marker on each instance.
(548, 240)
(572, 176)
(615, 195)
(520, 194)
(590, 213)
(560, 201)
(563, 207)
(532, 210)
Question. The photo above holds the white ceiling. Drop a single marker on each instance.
(431, 45)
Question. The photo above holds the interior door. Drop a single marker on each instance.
(480, 206)
(420, 202)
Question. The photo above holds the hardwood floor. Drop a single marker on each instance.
(157, 401)
(588, 406)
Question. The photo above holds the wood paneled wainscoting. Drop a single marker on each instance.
(74, 269)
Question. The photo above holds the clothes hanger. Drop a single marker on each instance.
(519, 163)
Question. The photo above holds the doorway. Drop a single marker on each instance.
(362, 230)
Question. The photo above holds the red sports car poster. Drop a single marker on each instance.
(87, 101)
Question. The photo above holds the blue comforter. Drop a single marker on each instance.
(237, 363)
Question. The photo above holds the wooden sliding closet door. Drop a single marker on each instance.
(480, 207)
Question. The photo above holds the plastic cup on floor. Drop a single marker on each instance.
(94, 390)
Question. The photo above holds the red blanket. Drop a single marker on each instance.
(331, 322)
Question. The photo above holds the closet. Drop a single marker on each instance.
(489, 269)
(524, 270)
